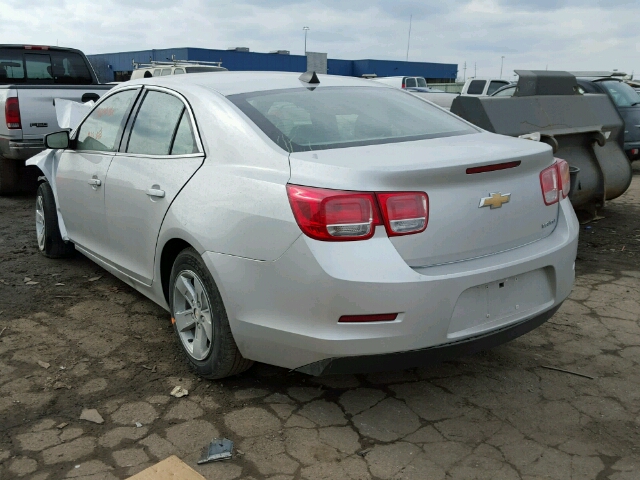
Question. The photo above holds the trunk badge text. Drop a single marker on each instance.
(495, 200)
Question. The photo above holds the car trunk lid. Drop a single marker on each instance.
(459, 227)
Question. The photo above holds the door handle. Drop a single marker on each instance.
(95, 182)
(155, 192)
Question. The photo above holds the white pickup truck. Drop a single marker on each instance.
(31, 78)
(475, 87)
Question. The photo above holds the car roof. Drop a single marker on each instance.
(231, 83)
(598, 79)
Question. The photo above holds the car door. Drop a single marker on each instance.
(160, 153)
(83, 168)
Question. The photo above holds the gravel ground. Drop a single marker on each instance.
(74, 338)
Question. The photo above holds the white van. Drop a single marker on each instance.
(160, 69)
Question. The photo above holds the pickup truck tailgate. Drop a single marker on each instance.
(37, 105)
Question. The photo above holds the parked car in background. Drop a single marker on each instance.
(178, 67)
(627, 102)
(31, 78)
(320, 223)
(418, 86)
(482, 88)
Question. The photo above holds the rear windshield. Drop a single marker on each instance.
(623, 95)
(304, 119)
(43, 67)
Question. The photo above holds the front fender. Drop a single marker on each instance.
(47, 161)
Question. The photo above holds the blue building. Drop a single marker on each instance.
(118, 66)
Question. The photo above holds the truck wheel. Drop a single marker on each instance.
(8, 176)
(50, 241)
(200, 319)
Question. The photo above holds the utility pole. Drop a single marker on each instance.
(464, 78)
(475, 69)
(306, 29)
(409, 40)
(501, 65)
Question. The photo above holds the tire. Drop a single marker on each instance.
(201, 323)
(8, 176)
(50, 242)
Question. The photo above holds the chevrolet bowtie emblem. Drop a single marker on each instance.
(495, 200)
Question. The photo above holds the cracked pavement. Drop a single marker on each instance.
(495, 415)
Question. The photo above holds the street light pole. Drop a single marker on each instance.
(501, 64)
(409, 39)
(306, 29)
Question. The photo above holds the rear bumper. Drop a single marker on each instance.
(285, 312)
(20, 149)
(426, 356)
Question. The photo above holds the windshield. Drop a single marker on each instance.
(42, 67)
(303, 119)
(623, 95)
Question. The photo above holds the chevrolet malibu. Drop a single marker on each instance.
(319, 223)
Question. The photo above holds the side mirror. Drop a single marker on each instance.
(57, 140)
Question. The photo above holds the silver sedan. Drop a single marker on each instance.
(319, 223)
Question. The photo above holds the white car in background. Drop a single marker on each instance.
(319, 223)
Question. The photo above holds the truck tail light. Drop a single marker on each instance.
(404, 213)
(12, 113)
(334, 215)
(564, 176)
(555, 181)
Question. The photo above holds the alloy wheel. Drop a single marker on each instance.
(192, 314)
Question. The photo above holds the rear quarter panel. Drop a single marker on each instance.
(236, 204)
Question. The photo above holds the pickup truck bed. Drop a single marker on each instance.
(31, 78)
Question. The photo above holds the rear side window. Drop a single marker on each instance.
(507, 92)
(410, 82)
(184, 143)
(156, 72)
(103, 127)
(300, 119)
(11, 66)
(178, 71)
(493, 86)
(155, 124)
(43, 67)
(166, 71)
(476, 87)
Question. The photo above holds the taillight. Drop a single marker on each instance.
(334, 215)
(549, 183)
(555, 180)
(12, 113)
(404, 213)
(565, 176)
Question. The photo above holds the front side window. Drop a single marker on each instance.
(507, 92)
(476, 87)
(166, 71)
(300, 119)
(102, 129)
(178, 71)
(155, 125)
(156, 72)
(421, 82)
(493, 86)
(621, 93)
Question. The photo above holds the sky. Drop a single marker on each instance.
(530, 34)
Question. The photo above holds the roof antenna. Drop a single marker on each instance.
(309, 77)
